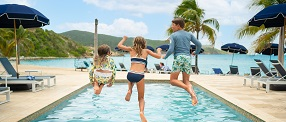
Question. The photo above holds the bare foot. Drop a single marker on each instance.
(194, 100)
(143, 119)
(128, 95)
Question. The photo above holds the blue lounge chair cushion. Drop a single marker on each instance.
(217, 71)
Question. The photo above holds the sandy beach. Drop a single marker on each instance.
(266, 106)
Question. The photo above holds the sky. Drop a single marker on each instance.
(147, 18)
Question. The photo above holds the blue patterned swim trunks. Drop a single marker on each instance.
(182, 63)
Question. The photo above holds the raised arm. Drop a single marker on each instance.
(123, 47)
(197, 43)
(171, 48)
(155, 55)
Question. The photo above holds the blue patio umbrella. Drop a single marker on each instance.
(234, 48)
(117, 49)
(151, 48)
(164, 47)
(272, 16)
(193, 48)
(271, 49)
(14, 15)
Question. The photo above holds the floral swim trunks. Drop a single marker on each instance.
(182, 63)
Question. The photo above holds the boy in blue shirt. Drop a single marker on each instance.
(180, 46)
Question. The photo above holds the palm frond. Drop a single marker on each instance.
(209, 32)
(213, 22)
(264, 39)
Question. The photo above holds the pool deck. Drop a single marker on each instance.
(267, 106)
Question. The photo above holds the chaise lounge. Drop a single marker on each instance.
(255, 74)
(5, 90)
(10, 70)
(274, 80)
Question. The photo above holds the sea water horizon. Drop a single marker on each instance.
(205, 62)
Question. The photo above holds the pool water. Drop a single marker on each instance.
(163, 103)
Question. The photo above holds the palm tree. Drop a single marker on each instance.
(195, 22)
(23, 41)
(7, 43)
(265, 35)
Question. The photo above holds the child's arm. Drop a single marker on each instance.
(91, 74)
(155, 55)
(112, 65)
(123, 47)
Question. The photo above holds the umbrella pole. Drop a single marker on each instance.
(232, 58)
(281, 46)
(16, 48)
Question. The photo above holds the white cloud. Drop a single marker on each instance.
(133, 6)
(119, 27)
(227, 12)
(21, 2)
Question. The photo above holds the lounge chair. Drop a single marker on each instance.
(263, 68)
(5, 90)
(10, 70)
(199, 72)
(194, 69)
(80, 64)
(255, 74)
(217, 71)
(160, 71)
(274, 80)
(122, 67)
(23, 80)
(233, 70)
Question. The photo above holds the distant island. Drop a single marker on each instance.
(87, 39)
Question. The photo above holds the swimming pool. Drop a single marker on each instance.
(163, 103)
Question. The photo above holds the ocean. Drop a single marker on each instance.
(205, 62)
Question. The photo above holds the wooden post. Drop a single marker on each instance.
(95, 40)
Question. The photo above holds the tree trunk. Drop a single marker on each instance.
(196, 59)
(18, 52)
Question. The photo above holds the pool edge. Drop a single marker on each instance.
(51, 106)
(57, 102)
(231, 105)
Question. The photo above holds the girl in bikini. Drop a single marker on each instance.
(103, 70)
(138, 54)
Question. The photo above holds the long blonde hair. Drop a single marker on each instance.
(103, 52)
(139, 44)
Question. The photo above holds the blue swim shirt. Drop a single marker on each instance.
(180, 44)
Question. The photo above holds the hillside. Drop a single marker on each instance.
(45, 43)
(210, 50)
(86, 39)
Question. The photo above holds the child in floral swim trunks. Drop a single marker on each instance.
(180, 46)
(103, 70)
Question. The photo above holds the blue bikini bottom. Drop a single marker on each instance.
(135, 76)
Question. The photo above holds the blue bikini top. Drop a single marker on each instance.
(138, 60)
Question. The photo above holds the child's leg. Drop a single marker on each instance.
(141, 91)
(129, 92)
(186, 81)
(175, 82)
(97, 88)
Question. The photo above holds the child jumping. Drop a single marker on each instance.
(180, 46)
(103, 70)
(138, 54)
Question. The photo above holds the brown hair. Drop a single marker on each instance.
(179, 21)
(103, 51)
(139, 44)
